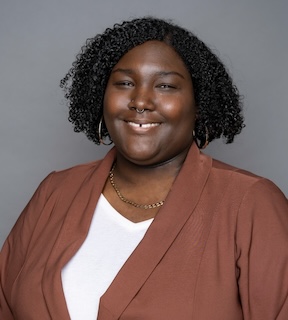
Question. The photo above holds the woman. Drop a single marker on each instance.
(157, 229)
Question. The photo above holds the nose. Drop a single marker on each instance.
(142, 99)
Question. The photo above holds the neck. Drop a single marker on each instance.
(141, 186)
(138, 173)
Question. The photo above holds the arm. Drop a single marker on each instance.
(262, 253)
(14, 250)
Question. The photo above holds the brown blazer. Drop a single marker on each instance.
(217, 250)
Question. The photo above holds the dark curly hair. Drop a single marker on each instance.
(219, 108)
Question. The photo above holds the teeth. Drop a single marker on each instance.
(143, 125)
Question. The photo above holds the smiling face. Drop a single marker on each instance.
(152, 77)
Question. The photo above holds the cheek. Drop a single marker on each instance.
(109, 101)
(180, 110)
(112, 107)
(108, 110)
(114, 103)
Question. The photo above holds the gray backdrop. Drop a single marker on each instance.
(40, 38)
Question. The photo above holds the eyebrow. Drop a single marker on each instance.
(158, 73)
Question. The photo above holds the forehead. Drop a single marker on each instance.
(155, 53)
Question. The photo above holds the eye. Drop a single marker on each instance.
(166, 86)
(124, 83)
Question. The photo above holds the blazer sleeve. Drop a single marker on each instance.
(15, 247)
(262, 252)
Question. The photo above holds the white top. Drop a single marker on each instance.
(110, 241)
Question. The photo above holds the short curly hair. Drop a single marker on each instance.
(219, 107)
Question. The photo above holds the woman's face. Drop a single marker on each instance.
(152, 77)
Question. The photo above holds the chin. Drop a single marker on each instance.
(141, 157)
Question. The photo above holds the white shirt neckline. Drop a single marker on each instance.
(110, 241)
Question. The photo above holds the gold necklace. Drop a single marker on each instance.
(132, 203)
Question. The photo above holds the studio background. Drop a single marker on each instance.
(39, 42)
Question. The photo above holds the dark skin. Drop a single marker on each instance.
(151, 146)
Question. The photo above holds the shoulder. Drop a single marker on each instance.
(62, 178)
(244, 189)
(78, 172)
(83, 171)
(259, 200)
(241, 178)
(223, 168)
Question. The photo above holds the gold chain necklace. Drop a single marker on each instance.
(132, 203)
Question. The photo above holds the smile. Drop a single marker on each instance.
(143, 125)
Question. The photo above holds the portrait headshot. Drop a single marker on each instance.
(144, 152)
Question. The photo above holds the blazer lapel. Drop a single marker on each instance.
(77, 206)
(169, 221)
